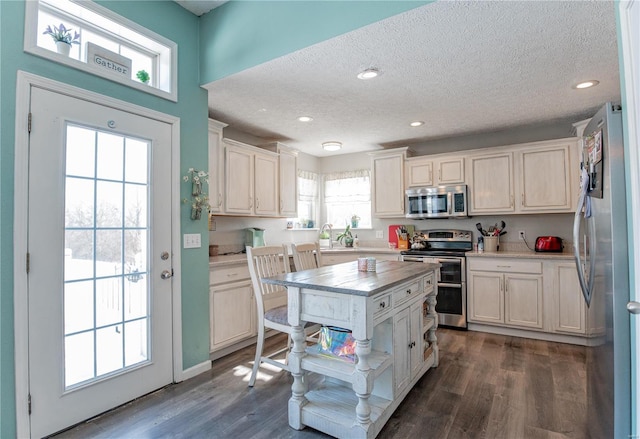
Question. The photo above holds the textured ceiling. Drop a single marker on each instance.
(462, 67)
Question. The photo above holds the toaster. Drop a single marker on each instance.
(548, 244)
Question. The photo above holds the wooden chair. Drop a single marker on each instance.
(306, 256)
(271, 301)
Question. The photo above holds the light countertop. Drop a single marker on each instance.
(347, 279)
(520, 255)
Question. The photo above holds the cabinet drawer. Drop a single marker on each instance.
(381, 304)
(231, 273)
(505, 265)
(407, 291)
(429, 282)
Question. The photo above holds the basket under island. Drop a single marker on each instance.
(391, 313)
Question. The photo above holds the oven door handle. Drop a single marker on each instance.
(449, 285)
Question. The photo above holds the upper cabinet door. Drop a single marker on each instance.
(450, 171)
(216, 166)
(545, 178)
(388, 185)
(239, 180)
(266, 185)
(491, 183)
(419, 172)
(288, 184)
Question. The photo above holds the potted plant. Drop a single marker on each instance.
(346, 236)
(63, 38)
(354, 220)
(143, 76)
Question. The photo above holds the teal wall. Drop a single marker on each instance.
(177, 24)
(243, 34)
(234, 37)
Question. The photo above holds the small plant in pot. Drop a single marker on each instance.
(63, 38)
(143, 76)
(346, 237)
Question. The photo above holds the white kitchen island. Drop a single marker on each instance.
(391, 313)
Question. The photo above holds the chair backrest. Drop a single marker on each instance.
(263, 262)
(306, 256)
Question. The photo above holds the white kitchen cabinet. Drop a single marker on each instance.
(287, 179)
(434, 171)
(569, 312)
(387, 183)
(216, 166)
(545, 175)
(491, 187)
(419, 171)
(251, 183)
(232, 307)
(505, 292)
(266, 201)
(288, 184)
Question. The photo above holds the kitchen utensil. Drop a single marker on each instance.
(548, 244)
(479, 227)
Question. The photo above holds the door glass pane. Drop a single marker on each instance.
(106, 293)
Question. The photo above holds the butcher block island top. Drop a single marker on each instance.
(391, 315)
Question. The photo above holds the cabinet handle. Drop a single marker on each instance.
(281, 204)
(231, 274)
(257, 203)
(250, 202)
(382, 305)
(503, 266)
(411, 345)
(219, 199)
(522, 200)
(512, 200)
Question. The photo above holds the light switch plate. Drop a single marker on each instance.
(192, 240)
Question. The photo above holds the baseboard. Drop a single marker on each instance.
(196, 370)
(537, 335)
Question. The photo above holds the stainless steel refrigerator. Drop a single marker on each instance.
(600, 247)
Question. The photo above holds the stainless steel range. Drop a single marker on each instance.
(448, 247)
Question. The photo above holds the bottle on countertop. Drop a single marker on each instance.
(356, 242)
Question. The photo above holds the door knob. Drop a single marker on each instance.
(166, 274)
(633, 307)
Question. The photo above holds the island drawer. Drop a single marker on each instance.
(429, 283)
(230, 273)
(407, 291)
(505, 265)
(381, 304)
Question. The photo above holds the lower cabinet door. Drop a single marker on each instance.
(401, 350)
(232, 314)
(486, 299)
(523, 300)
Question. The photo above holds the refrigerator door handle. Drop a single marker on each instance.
(586, 287)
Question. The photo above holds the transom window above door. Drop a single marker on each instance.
(89, 37)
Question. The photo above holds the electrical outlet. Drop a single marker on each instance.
(379, 234)
(521, 235)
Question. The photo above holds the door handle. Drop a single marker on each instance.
(166, 274)
(633, 307)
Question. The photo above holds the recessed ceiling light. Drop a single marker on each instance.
(417, 123)
(587, 84)
(305, 119)
(368, 74)
(331, 146)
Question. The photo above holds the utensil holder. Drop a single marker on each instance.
(491, 244)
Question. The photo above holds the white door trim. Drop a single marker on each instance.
(630, 43)
(21, 328)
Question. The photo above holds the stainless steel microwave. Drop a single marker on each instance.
(436, 202)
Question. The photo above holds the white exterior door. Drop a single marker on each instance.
(99, 241)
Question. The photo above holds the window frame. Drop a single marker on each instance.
(165, 63)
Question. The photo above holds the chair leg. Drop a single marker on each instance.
(258, 359)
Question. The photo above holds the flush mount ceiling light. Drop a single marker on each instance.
(417, 123)
(368, 74)
(331, 146)
(587, 84)
(305, 118)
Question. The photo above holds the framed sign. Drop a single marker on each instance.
(107, 60)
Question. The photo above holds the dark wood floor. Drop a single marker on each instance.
(487, 386)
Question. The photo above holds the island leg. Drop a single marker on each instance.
(362, 384)
(299, 386)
